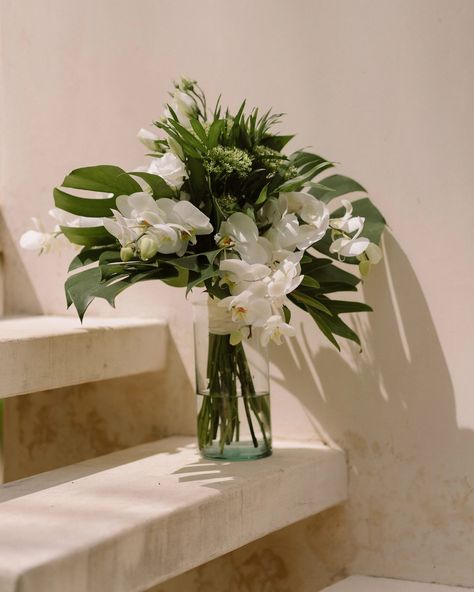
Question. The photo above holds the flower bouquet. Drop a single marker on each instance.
(222, 208)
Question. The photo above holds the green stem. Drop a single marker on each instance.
(218, 416)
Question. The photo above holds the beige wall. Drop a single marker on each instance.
(384, 87)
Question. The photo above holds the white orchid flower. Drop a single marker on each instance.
(373, 253)
(241, 271)
(239, 335)
(184, 106)
(271, 212)
(189, 217)
(350, 247)
(186, 218)
(283, 280)
(240, 232)
(168, 239)
(274, 329)
(284, 234)
(161, 238)
(64, 218)
(220, 319)
(140, 207)
(347, 223)
(346, 246)
(42, 241)
(122, 228)
(170, 168)
(371, 256)
(147, 138)
(247, 308)
(37, 239)
(308, 208)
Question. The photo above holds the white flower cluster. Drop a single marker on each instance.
(145, 226)
(42, 241)
(261, 270)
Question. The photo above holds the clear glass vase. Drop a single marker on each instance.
(232, 386)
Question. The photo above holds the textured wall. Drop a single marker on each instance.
(384, 87)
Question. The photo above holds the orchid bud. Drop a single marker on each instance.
(148, 247)
(126, 253)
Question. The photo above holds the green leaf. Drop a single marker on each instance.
(158, 185)
(195, 263)
(80, 288)
(200, 278)
(262, 198)
(88, 256)
(287, 314)
(323, 326)
(112, 289)
(335, 186)
(305, 161)
(199, 130)
(330, 274)
(338, 327)
(80, 206)
(87, 236)
(214, 133)
(310, 282)
(298, 182)
(276, 142)
(104, 178)
(187, 136)
(342, 306)
(197, 179)
(308, 301)
(180, 281)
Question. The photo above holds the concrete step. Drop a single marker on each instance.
(45, 352)
(132, 519)
(372, 584)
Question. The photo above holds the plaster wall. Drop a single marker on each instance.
(383, 86)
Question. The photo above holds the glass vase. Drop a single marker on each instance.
(232, 387)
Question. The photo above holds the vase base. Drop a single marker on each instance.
(237, 451)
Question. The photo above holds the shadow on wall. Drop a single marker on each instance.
(20, 294)
(411, 509)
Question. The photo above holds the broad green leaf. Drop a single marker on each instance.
(80, 288)
(87, 236)
(158, 185)
(83, 206)
(180, 281)
(276, 142)
(195, 263)
(112, 289)
(335, 186)
(104, 178)
(88, 256)
(197, 278)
